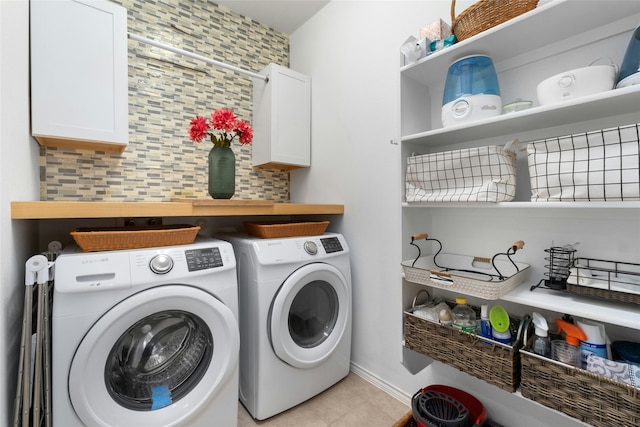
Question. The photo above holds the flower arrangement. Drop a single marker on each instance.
(223, 127)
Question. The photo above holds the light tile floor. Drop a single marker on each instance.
(352, 402)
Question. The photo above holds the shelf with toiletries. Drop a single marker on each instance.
(557, 36)
(524, 55)
(562, 363)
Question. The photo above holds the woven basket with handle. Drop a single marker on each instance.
(486, 14)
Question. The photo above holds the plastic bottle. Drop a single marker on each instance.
(541, 343)
(464, 317)
(596, 341)
(568, 350)
(485, 324)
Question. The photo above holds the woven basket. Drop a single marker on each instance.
(292, 229)
(117, 238)
(491, 361)
(581, 394)
(489, 290)
(603, 293)
(486, 14)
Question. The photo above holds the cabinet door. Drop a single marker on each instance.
(282, 119)
(79, 74)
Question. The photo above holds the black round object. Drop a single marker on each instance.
(435, 409)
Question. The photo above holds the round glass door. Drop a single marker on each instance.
(155, 358)
(309, 315)
(158, 360)
(313, 314)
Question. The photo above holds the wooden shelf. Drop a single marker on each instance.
(59, 209)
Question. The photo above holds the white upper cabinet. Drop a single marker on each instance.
(282, 119)
(79, 74)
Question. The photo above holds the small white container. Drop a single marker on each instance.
(577, 83)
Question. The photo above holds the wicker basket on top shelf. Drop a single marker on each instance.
(92, 239)
(486, 14)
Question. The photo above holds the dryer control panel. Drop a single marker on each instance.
(331, 244)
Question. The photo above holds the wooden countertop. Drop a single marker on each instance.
(178, 207)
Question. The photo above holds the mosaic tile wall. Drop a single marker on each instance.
(166, 90)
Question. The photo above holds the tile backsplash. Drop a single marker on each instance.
(166, 90)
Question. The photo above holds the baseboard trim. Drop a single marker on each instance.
(382, 385)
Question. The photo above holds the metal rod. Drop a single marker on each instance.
(37, 365)
(196, 56)
(26, 377)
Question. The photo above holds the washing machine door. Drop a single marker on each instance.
(155, 359)
(310, 314)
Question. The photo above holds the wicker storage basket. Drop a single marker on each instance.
(423, 270)
(117, 238)
(486, 14)
(605, 279)
(291, 229)
(584, 395)
(491, 361)
(603, 294)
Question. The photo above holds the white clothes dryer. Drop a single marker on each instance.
(295, 319)
(146, 337)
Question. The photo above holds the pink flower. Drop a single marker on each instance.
(245, 131)
(226, 123)
(224, 119)
(198, 129)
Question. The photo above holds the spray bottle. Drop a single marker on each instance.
(568, 351)
(541, 344)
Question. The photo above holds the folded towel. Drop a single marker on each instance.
(618, 371)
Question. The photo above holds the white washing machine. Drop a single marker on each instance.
(295, 319)
(146, 337)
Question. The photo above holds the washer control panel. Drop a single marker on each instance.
(331, 244)
(202, 259)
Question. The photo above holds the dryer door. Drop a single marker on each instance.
(156, 358)
(310, 314)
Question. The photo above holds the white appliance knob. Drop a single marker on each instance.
(461, 109)
(161, 264)
(311, 248)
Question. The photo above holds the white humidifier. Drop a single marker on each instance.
(471, 91)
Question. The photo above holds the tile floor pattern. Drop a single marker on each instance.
(352, 402)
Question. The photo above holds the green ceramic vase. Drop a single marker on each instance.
(222, 173)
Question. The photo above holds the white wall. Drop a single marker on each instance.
(351, 51)
(19, 172)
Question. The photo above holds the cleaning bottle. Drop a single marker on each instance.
(568, 350)
(485, 324)
(596, 341)
(464, 317)
(541, 344)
